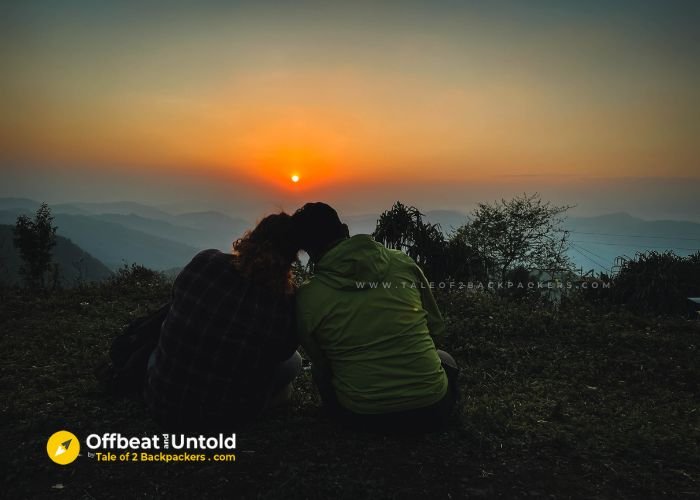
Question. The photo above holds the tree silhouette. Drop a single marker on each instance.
(524, 231)
(464, 262)
(402, 228)
(35, 240)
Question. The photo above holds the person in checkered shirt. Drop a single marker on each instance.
(227, 349)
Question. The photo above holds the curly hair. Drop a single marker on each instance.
(265, 254)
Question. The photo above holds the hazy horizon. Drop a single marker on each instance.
(647, 198)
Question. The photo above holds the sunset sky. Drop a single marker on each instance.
(347, 95)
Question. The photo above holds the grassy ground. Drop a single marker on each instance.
(581, 402)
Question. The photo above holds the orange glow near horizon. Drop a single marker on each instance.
(348, 96)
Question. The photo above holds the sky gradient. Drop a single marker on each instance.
(351, 95)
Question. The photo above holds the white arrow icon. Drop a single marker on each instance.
(62, 448)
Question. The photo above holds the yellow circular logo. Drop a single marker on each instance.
(63, 447)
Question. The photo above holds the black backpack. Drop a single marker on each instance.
(125, 373)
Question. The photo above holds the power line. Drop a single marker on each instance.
(593, 253)
(576, 249)
(589, 259)
(656, 236)
(636, 246)
(604, 259)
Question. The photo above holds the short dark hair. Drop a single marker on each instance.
(318, 226)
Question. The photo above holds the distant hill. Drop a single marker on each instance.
(119, 232)
(220, 229)
(115, 244)
(121, 207)
(212, 221)
(597, 241)
(75, 264)
(198, 230)
(18, 203)
(204, 221)
(213, 232)
(79, 208)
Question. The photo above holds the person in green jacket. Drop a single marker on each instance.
(365, 318)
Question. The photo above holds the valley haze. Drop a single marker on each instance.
(163, 238)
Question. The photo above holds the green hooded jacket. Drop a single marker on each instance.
(366, 317)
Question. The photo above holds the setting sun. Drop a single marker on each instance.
(295, 178)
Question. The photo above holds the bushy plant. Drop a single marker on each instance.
(403, 228)
(137, 276)
(657, 282)
(452, 258)
(463, 261)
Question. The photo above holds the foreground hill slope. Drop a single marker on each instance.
(578, 402)
(114, 244)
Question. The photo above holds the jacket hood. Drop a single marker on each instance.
(357, 259)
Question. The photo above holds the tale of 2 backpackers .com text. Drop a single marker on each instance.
(132, 456)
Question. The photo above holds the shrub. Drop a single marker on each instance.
(137, 276)
(657, 282)
(403, 228)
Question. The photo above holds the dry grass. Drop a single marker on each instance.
(580, 402)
